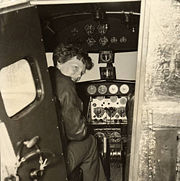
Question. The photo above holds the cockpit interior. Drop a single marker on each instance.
(130, 98)
(109, 31)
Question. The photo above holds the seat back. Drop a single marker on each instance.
(58, 107)
(77, 174)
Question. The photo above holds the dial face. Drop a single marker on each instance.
(123, 39)
(91, 41)
(124, 88)
(114, 98)
(106, 57)
(89, 28)
(102, 89)
(102, 29)
(114, 39)
(113, 89)
(91, 89)
(123, 100)
(115, 136)
(100, 135)
(103, 40)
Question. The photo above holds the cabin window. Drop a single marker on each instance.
(17, 86)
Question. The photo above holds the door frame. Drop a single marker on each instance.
(139, 89)
(145, 107)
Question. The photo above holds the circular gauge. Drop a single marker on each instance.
(114, 39)
(123, 100)
(115, 136)
(91, 41)
(102, 89)
(103, 41)
(91, 89)
(105, 57)
(99, 135)
(123, 39)
(114, 98)
(100, 98)
(102, 28)
(89, 28)
(124, 88)
(113, 89)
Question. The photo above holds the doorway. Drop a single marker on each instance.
(100, 28)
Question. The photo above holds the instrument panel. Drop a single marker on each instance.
(107, 101)
(109, 89)
(99, 36)
(109, 110)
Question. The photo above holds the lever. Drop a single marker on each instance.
(31, 142)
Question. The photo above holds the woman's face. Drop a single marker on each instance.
(78, 69)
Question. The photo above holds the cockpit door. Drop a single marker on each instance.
(31, 146)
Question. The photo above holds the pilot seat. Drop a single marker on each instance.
(77, 173)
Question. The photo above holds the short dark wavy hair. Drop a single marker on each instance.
(64, 53)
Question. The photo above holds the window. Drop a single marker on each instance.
(17, 86)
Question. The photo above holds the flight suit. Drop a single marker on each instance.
(82, 148)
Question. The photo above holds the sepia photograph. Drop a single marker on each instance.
(90, 90)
